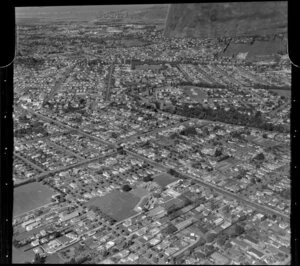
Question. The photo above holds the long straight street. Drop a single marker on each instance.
(257, 206)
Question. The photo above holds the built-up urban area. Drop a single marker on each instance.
(131, 147)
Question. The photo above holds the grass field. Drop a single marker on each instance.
(195, 93)
(54, 259)
(30, 196)
(164, 179)
(19, 256)
(116, 204)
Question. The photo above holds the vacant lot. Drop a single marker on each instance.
(116, 204)
(164, 179)
(226, 164)
(265, 142)
(31, 196)
(285, 93)
(166, 142)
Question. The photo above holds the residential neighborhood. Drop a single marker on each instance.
(131, 147)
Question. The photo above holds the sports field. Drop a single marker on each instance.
(116, 204)
(31, 196)
(164, 179)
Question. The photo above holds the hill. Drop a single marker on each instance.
(210, 20)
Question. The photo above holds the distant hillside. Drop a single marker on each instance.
(154, 12)
(37, 15)
(258, 49)
(211, 20)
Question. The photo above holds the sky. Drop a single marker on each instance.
(86, 12)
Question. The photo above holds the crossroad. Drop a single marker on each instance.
(22, 158)
(257, 206)
(45, 118)
(67, 167)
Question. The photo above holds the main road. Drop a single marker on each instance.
(59, 82)
(45, 118)
(257, 206)
(108, 88)
(67, 167)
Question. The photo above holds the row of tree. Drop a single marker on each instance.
(232, 116)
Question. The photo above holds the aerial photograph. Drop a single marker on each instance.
(152, 134)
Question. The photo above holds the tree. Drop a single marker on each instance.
(72, 261)
(147, 178)
(172, 172)
(228, 245)
(155, 259)
(201, 241)
(210, 249)
(114, 135)
(258, 114)
(286, 194)
(126, 188)
(105, 253)
(218, 152)
(16, 243)
(171, 208)
(174, 135)
(189, 131)
(170, 229)
(186, 201)
(57, 234)
(121, 151)
(38, 259)
(222, 240)
(211, 237)
(114, 250)
(260, 157)
(239, 230)
(156, 194)
(243, 218)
